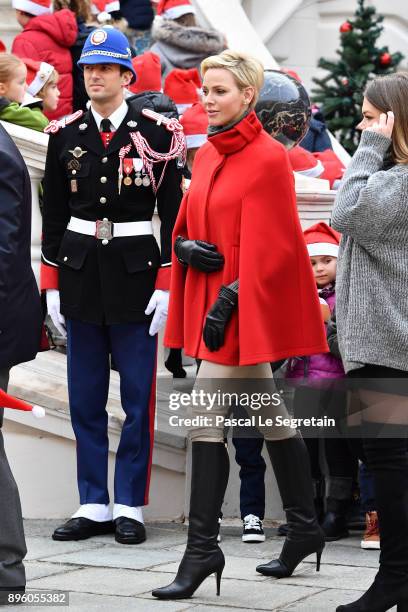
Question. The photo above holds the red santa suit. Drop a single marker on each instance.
(242, 199)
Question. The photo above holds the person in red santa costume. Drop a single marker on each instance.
(242, 295)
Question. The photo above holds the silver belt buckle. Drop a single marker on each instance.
(104, 230)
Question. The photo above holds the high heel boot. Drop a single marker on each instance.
(291, 465)
(203, 556)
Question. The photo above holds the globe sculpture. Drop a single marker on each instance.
(283, 108)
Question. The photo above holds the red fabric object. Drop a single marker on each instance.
(182, 85)
(33, 7)
(44, 344)
(105, 6)
(304, 162)
(38, 74)
(106, 138)
(48, 38)
(49, 277)
(321, 232)
(242, 199)
(321, 239)
(8, 401)
(333, 167)
(163, 278)
(195, 125)
(148, 73)
(2, 47)
(172, 9)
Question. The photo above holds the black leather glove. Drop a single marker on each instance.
(199, 254)
(217, 318)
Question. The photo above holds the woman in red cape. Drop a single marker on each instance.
(242, 295)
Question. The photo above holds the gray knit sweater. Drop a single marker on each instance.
(371, 211)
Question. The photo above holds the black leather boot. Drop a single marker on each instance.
(290, 462)
(334, 524)
(387, 460)
(203, 556)
(319, 494)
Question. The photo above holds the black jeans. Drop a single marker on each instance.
(387, 460)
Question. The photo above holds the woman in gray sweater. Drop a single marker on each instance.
(371, 211)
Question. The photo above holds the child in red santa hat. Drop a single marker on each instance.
(323, 246)
(42, 83)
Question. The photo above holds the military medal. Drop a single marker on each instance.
(128, 169)
(146, 181)
(138, 165)
(124, 151)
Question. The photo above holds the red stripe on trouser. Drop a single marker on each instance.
(152, 412)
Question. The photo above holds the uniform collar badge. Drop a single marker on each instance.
(82, 126)
(77, 152)
(132, 124)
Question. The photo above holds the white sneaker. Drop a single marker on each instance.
(252, 529)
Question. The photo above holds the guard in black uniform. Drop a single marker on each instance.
(105, 275)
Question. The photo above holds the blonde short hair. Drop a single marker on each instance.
(52, 80)
(8, 66)
(246, 70)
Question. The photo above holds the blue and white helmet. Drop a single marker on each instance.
(107, 46)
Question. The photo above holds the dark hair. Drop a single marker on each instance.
(81, 8)
(390, 93)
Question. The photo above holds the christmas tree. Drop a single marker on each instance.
(340, 92)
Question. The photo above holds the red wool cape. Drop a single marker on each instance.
(242, 199)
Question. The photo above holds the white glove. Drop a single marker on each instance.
(53, 308)
(159, 302)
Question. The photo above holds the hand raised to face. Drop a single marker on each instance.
(384, 125)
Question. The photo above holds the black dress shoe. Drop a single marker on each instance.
(129, 531)
(81, 528)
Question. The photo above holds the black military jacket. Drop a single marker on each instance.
(109, 283)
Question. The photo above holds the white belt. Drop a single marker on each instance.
(106, 230)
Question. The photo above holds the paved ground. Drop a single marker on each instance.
(105, 576)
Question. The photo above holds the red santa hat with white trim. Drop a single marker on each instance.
(305, 163)
(148, 73)
(8, 401)
(183, 87)
(173, 9)
(103, 8)
(195, 125)
(33, 7)
(38, 74)
(321, 239)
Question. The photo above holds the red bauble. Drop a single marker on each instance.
(346, 27)
(385, 59)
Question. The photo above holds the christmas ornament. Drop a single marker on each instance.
(385, 59)
(346, 27)
(345, 81)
